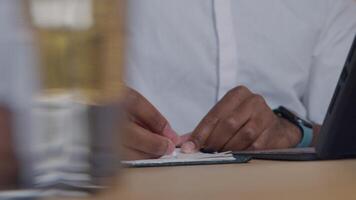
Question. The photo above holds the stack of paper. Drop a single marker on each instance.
(179, 158)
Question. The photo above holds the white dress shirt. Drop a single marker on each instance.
(184, 55)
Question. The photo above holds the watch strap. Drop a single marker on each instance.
(305, 127)
(307, 137)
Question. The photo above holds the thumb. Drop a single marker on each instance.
(187, 145)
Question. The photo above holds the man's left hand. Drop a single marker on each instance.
(242, 120)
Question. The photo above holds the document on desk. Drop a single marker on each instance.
(179, 159)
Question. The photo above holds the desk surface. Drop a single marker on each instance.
(255, 180)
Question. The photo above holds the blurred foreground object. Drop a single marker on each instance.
(8, 166)
(81, 47)
(76, 112)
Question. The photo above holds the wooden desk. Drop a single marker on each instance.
(256, 180)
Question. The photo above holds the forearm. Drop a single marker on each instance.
(8, 163)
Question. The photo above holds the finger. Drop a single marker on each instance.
(261, 143)
(132, 154)
(145, 141)
(223, 108)
(183, 139)
(229, 126)
(145, 114)
(259, 120)
(198, 138)
(251, 107)
(244, 137)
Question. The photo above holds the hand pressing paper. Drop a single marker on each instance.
(177, 158)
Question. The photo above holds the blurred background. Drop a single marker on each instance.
(61, 80)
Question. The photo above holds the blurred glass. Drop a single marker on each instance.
(81, 47)
(76, 112)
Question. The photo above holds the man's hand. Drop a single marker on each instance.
(148, 134)
(242, 121)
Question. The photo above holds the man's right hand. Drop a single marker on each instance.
(148, 134)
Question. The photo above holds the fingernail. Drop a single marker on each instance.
(188, 147)
(170, 148)
(171, 134)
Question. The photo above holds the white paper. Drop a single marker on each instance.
(179, 157)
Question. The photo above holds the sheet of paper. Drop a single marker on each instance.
(179, 158)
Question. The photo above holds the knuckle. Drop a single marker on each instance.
(230, 123)
(249, 133)
(208, 120)
(257, 146)
(241, 88)
(231, 92)
(258, 99)
(238, 90)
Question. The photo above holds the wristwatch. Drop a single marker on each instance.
(305, 126)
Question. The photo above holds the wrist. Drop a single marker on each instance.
(305, 127)
(292, 132)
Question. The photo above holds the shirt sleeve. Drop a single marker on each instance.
(329, 56)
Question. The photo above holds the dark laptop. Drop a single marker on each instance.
(337, 138)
